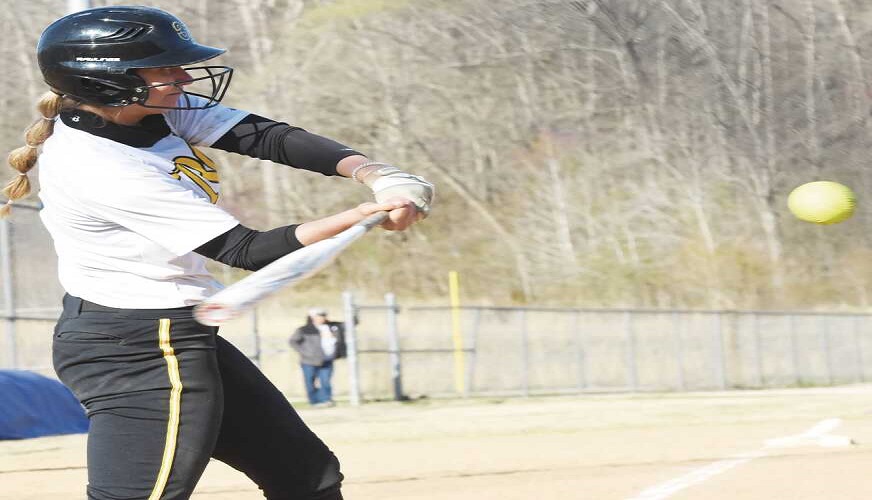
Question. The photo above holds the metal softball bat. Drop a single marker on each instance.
(232, 301)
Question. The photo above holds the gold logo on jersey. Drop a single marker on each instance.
(200, 169)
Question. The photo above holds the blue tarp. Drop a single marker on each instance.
(32, 405)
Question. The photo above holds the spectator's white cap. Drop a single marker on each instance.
(317, 311)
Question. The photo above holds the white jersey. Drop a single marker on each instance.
(125, 220)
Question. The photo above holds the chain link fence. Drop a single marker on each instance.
(528, 350)
(30, 290)
(412, 351)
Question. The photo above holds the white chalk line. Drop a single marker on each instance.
(818, 434)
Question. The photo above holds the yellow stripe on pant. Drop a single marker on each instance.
(169, 356)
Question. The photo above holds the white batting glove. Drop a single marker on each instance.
(388, 182)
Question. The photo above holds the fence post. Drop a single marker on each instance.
(255, 336)
(579, 353)
(77, 5)
(525, 355)
(351, 347)
(794, 348)
(8, 292)
(456, 332)
(679, 351)
(394, 346)
(858, 349)
(825, 340)
(758, 353)
(473, 343)
(719, 362)
(630, 336)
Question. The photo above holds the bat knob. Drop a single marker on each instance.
(213, 314)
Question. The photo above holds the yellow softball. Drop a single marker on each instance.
(822, 202)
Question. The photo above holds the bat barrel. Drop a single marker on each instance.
(230, 302)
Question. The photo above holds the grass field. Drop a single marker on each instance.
(630, 447)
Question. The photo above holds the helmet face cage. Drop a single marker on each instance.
(210, 86)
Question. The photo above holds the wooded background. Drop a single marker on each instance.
(586, 153)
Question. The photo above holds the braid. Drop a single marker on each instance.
(23, 159)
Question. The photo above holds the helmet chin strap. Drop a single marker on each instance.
(178, 86)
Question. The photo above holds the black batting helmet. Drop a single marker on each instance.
(91, 56)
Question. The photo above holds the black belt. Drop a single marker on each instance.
(75, 305)
(92, 307)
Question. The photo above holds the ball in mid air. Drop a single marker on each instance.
(822, 202)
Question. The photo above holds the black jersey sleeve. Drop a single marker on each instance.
(251, 249)
(263, 138)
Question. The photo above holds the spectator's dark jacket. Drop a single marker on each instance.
(306, 340)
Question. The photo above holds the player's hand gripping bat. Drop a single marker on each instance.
(288, 270)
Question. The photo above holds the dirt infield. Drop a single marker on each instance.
(640, 447)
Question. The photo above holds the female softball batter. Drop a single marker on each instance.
(129, 199)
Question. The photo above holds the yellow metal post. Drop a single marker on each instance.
(456, 335)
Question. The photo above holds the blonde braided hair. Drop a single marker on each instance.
(23, 159)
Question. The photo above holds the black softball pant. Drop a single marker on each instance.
(164, 394)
